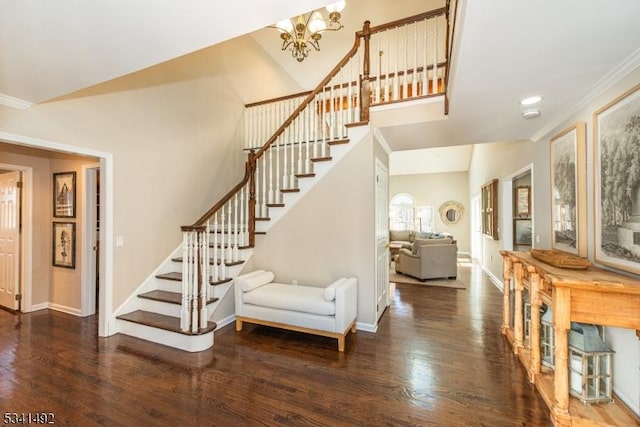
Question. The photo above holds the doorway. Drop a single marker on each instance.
(10, 241)
(382, 238)
(91, 266)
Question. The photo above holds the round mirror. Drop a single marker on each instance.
(451, 212)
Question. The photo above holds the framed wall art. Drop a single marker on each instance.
(64, 244)
(523, 201)
(569, 191)
(617, 182)
(523, 231)
(64, 195)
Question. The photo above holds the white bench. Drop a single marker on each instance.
(329, 311)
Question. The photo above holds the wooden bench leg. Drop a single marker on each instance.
(238, 325)
(353, 328)
(341, 343)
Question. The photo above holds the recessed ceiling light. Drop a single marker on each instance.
(530, 114)
(531, 100)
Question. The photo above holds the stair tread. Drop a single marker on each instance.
(263, 219)
(160, 321)
(168, 297)
(290, 190)
(211, 245)
(322, 159)
(211, 261)
(177, 276)
(338, 141)
(275, 205)
(305, 175)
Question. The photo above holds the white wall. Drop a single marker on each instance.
(434, 189)
(330, 232)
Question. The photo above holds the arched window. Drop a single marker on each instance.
(402, 212)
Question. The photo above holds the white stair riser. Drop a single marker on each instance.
(190, 343)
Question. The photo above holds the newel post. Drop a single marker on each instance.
(251, 169)
(365, 86)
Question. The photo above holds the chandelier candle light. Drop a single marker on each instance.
(306, 30)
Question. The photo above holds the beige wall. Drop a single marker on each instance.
(434, 189)
(330, 232)
(172, 142)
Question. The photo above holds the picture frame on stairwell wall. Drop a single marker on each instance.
(64, 244)
(616, 141)
(64, 195)
(569, 190)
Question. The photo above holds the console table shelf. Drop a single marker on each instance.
(594, 296)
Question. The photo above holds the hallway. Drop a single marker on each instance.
(438, 358)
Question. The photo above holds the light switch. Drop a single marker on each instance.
(119, 241)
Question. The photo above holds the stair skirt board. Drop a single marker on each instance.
(190, 343)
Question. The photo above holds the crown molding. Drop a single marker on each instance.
(10, 101)
(614, 76)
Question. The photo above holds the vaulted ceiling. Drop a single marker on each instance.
(503, 51)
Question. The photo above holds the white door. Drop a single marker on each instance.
(382, 238)
(9, 239)
(476, 229)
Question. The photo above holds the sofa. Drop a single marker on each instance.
(405, 238)
(429, 259)
(329, 311)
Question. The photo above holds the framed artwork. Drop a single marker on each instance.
(489, 193)
(64, 195)
(523, 200)
(569, 191)
(64, 244)
(523, 231)
(617, 182)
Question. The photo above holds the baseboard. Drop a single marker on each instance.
(367, 327)
(493, 278)
(633, 407)
(38, 307)
(226, 321)
(65, 309)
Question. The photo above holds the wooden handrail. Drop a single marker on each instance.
(250, 165)
(310, 97)
(404, 21)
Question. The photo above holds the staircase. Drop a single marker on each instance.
(306, 135)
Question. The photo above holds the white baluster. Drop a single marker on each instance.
(323, 124)
(414, 81)
(236, 229)
(425, 74)
(204, 278)
(263, 212)
(300, 127)
(435, 59)
(315, 111)
(216, 271)
(184, 308)
(309, 134)
(405, 84)
(358, 88)
(387, 97)
(294, 135)
(379, 72)
(270, 199)
(396, 78)
(223, 266)
(229, 251)
(193, 281)
(241, 231)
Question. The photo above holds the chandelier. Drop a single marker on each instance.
(300, 33)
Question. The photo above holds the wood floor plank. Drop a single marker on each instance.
(438, 358)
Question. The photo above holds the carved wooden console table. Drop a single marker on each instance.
(592, 296)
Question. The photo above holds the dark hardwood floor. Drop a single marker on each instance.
(438, 358)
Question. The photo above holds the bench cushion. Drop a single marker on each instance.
(306, 299)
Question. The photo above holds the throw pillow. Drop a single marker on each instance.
(253, 282)
(330, 291)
